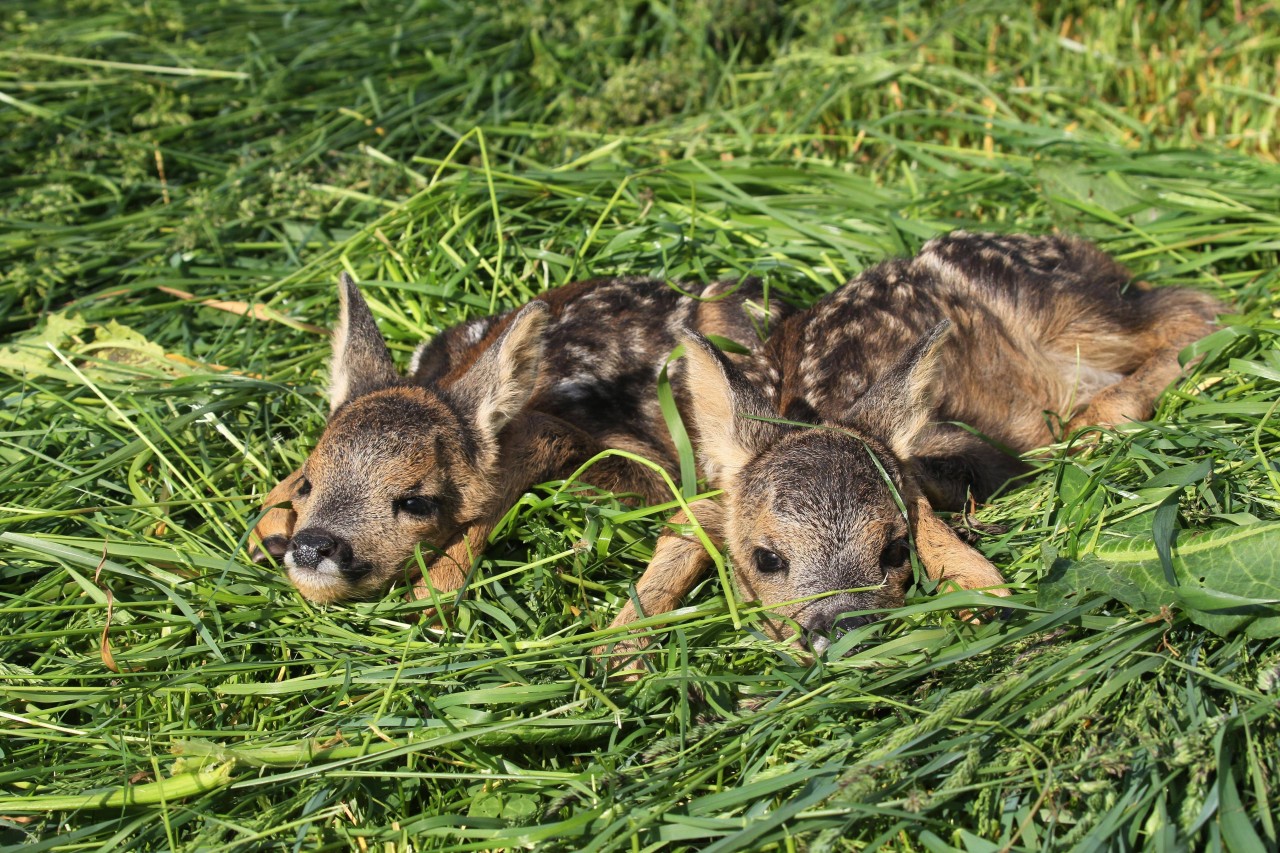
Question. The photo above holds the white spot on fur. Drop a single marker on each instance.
(573, 389)
(1081, 380)
(416, 361)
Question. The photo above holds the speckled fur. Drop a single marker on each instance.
(489, 408)
(1040, 324)
(1022, 338)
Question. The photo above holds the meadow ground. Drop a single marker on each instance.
(182, 183)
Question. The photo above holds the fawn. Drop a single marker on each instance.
(488, 409)
(923, 379)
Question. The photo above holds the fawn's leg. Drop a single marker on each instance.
(948, 558)
(271, 536)
(447, 571)
(679, 560)
(1133, 397)
(1171, 319)
(536, 448)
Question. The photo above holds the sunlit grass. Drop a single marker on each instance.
(183, 182)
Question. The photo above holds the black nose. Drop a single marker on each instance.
(819, 637)
(312, 546)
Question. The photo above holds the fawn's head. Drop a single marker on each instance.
(815, 522)
(401, 464)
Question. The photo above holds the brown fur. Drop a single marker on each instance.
(1014, 336)
(489, 409)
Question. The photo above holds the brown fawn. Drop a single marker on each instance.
(488, 409)
(923, 380)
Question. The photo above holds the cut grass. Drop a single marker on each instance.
(157, 690)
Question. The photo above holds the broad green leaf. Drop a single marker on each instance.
(29, 353)
(118, 342)
(1226, 580)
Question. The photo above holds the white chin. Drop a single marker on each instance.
(318, 587)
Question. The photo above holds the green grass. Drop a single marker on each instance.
(463, 157)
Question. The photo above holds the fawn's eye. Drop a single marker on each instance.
(895, 553)
(415, 505)
(767, 562)
(304, 488)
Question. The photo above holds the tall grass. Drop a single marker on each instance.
(182, 183)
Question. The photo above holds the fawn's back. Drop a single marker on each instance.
(488, 409)
(604, 343)
(1039, 327)
(1018, 338)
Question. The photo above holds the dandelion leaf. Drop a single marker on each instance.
(29, 354)
(1226, 580)
(119, 343)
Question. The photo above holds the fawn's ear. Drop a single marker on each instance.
(361, 360)
(901, 402)
(496, 387)
(726, 406)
